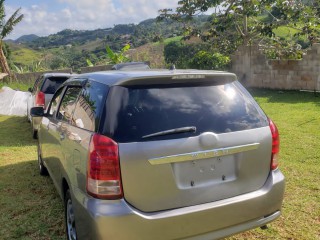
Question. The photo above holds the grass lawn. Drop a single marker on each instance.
(31, 208)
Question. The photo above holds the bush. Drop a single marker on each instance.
(196, 55)
(210, 61)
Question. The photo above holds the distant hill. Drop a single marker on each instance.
(72, 48)
(149, 30)
(26, 38)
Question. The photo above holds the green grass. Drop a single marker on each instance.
(285, 32)
(16, 86)
(31, 208)
(25, 56)
(296, 115)
(168, 40)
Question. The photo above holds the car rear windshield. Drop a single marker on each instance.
(136, 112)
(51, 84)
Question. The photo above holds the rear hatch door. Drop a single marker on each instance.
(187, 144)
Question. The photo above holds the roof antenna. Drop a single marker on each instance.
(172, 67)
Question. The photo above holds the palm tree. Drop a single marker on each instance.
(6, 28)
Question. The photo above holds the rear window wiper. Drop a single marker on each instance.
(171, 131)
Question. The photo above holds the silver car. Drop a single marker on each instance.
(160, 155)
(41, 94)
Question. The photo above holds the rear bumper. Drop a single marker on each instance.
(96, 219)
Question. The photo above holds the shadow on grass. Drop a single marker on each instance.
(290, 97)
(15, 131)
(30, 206)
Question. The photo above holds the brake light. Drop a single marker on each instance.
(103, 173)
(40, 99)
(275, 145)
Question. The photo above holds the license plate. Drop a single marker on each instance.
(204, 172)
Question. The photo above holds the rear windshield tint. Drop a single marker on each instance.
(51, 84)
(135, 112)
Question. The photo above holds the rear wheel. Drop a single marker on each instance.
(42, 169)
(69, 217)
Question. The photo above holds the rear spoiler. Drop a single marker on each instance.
(178, 78)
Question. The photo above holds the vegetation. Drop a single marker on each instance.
(6, 27)
(15, 85)
(236, 23)
(32, 209)
(120, 57)
(194, 55)
(75, 49)
(30, 205)
(72, 48)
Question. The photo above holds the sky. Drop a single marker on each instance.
(45, 17)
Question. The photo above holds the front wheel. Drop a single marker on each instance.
(69, 217)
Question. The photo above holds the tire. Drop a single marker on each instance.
(34, 134)
(71, 232)
(28, 114)
(34, 131)
(42, 169)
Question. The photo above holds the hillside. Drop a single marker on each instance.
(26, 38)
(72, 48)
(149, 30)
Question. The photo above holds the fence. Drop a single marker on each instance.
(255, 70)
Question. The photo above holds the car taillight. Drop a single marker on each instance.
(275, 145)
(103, 173)
(40, 99)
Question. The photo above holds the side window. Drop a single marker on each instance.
(54, 103)
(89, 106)
(68, 104)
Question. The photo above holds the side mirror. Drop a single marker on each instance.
(37, 112)
(29, 89)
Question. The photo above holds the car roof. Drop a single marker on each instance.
(152, 76)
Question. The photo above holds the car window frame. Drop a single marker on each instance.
(54, 116)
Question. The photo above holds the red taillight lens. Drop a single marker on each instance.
(275, 145)
(103, 174)
(40, 99)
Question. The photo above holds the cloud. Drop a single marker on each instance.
(84, 15)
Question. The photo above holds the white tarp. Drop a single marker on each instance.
(13, 102)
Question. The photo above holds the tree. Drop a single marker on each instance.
(118, 57)
(235, 23)
(6, 28)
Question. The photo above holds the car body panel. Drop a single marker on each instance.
(119, 220)
(167, 186)
(206, 186)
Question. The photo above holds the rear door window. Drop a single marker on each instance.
(51, 84)
(138, 111)
(68, 104)
(89, 106)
